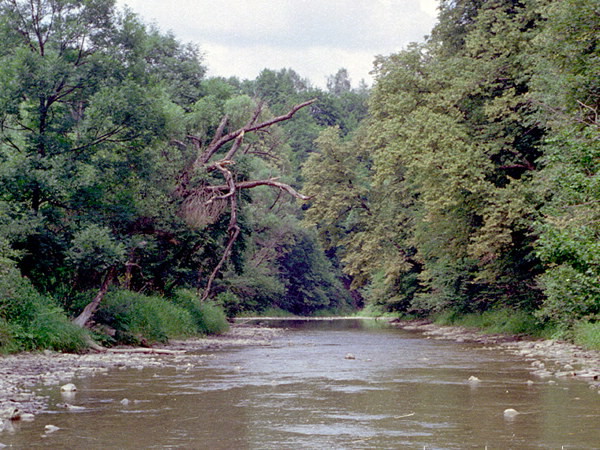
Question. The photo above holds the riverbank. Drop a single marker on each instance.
(20, 374)
(548, 358)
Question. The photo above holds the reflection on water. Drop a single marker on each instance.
(401, 391)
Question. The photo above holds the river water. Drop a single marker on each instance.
(401, 390)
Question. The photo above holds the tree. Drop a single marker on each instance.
(567, 88)
(204, 202)
(88, 95)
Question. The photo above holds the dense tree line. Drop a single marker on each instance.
(473, 185)
(136, 193)
(110, 135)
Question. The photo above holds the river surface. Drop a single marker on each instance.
(402, 390)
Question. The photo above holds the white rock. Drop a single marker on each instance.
(69, 387)
(51, 428)
(10, 413)
(27, 417)
(125, 402)
(349, 356)
(510, 412)
(474, 379)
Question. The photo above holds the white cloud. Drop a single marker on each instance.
(315, 63)
(313, 37)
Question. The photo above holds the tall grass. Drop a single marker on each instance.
(138, 318)
(506, 321)
(587, 334)
(31, 321)
(209, 317)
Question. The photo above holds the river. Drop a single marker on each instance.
(339, 384)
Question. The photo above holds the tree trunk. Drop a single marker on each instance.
(83, 319)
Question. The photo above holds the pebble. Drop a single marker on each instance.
(510, 412)
(349, 356)
(124, 402)
(474, 379)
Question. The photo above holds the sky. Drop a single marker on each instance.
(315, 38)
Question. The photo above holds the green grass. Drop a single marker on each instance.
(505, 321)
(268, 312)
(31, 321)
(137, 317)
(209, 317)
(587, 334)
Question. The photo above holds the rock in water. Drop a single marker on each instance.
(51, 428)
(511, 412)
(70, 387)
(349, 356)
(473, 379)
(10, 413)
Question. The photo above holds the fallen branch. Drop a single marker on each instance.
(151, 351)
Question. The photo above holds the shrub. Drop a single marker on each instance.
(137, 317)
(51, 329)
(30, 321)
(214, 320)
(209, 317)
(8, 342)
(494, 321)
(230, 303)
(587, 334)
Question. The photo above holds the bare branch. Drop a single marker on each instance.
(268, 182)
(216, 144)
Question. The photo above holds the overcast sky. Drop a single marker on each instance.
(313, 37)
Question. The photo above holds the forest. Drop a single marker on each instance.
(141, 200)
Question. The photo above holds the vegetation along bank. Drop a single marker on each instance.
(141, 200)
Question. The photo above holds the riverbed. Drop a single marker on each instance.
(317, 384)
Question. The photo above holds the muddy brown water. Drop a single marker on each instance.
(402, 390)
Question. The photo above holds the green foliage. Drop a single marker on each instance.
(30, 321)
(230, 303)
(568, 85)
(138, 318)
(209, 317)
(94, 249)
(587, 334)
(309, 281)
(214, 320)
(8, 341)
(51, 329)
(506, 321)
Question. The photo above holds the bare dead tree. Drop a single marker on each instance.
(203, 205)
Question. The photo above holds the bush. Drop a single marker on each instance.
(51, 329)
(8, 342)
(138, 318)
(230, 303)
(30, 321)
(506, 321)
(209, 317)
(587, 334)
